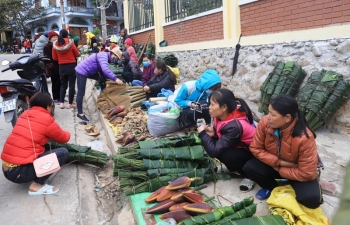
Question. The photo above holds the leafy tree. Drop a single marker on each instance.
(15, 13)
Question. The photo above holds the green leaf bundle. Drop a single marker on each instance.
(173, 153)
(246, 212)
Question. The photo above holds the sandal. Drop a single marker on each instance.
(92, 131)
(246, 185)
(263, 194)
(45, 190)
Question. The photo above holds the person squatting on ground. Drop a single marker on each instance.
(196, 92)
(40, 43)
(131, 71)
(65, 52)
(131, 51)
(285, 148)
(148, 71)
(34, 127)
(54, 71)
(94, 67)
(164, 78)
(232, 132)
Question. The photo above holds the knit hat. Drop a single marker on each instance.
(117, 52)
(112, 45)
(52, 34)
(76, 38)
(128, 41)
(46, 33)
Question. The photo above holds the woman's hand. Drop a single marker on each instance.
(287, 164)
(201, 128)
(119, 81)
(210, 131)
(146, 88)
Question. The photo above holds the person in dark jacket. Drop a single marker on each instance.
(94, 67)
(35, 127)
(65, 52)
(148, 71)
(124, 34)
(131, 71)
(164, 78)
(53, 68)
(232, 132)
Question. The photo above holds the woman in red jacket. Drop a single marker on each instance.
(33, 128)
(284, 148)
(65, 52)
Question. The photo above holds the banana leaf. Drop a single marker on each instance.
(114, 69)
(176, 153)
(256, 220)
(217, 214)
(153, 173)
(123, 183)
(246, 212)
(168, 142)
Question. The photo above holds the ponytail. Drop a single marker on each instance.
(62, 36)
(301, 125)
(172, 75)
(245, 108)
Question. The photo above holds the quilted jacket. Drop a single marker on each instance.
(18, 148)
(65, 54)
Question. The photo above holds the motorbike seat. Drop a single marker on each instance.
(17, 81)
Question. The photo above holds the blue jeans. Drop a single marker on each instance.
(26, 173)
(137, 83)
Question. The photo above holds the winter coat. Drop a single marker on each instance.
(193, 91)
(228, 134)
(89, 36)
(161, 81)
(132, 54)
(39, 45)
(270, 149)
(18, 148)
(48, 53)
(65, 54)
(131, 66)
(96, 63)
(126, 35)
(148, 72)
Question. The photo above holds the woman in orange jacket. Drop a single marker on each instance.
(284, 148)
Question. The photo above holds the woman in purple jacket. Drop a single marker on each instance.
(94, 67)
(148, 71)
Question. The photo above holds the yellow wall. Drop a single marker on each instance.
(232, 28)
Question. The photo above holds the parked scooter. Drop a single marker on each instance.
(16, 93)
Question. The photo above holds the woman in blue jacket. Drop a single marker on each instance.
(194, 93)
(94, 67)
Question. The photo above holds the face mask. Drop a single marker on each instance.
(122, 61)
(208, 92)
(146, 64)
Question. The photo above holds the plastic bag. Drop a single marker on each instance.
(96, 145)
(162, 119)
(165, 93)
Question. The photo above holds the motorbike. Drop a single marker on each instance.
(17, 93)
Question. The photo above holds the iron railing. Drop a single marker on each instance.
(141, 15)
(180, 9)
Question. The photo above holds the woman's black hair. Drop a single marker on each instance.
(285, 104)
(41, 99)
(62, 36)
(162, 66)
(148, 56)
(226, 97)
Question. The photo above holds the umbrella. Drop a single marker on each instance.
(235, 59)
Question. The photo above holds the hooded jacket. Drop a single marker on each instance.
(270, 149)
(131, 66)
(39, 45)
(18, 148)
(96, 63)
(193, 91)
(65, 54)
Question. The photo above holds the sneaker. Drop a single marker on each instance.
(71, 106)
(57, 102)
(61, 105)
(263, 194)
(83, 118)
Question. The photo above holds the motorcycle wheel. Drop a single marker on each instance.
(21, 106)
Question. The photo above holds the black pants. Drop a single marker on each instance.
(81, 83)
(55, 84)
(67, 76)
(235, 159)
(308, 193)
(26, 173)
(188, 117)
(93, 40)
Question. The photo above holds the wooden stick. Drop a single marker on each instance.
(144, 48)
(156, 99)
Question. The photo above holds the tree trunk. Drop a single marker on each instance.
(103, 4)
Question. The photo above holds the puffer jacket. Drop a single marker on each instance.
(96, 63)
(161, 81)
(65, 54)
(269, 149)
(228, 135)
(148, 72)
(132, 54)
(39, 45)
(131, 66)
(18, 148)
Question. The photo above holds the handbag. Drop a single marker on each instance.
(47, 164)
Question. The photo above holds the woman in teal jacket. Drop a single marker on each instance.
(193, 93)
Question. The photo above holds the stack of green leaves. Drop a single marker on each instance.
(323, 94)
(285, 79)
(170, 60)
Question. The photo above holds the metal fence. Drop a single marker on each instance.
(180, 9)
(141, 15)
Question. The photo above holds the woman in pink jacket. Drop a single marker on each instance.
(131, 51)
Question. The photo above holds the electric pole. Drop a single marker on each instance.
(62, 15)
